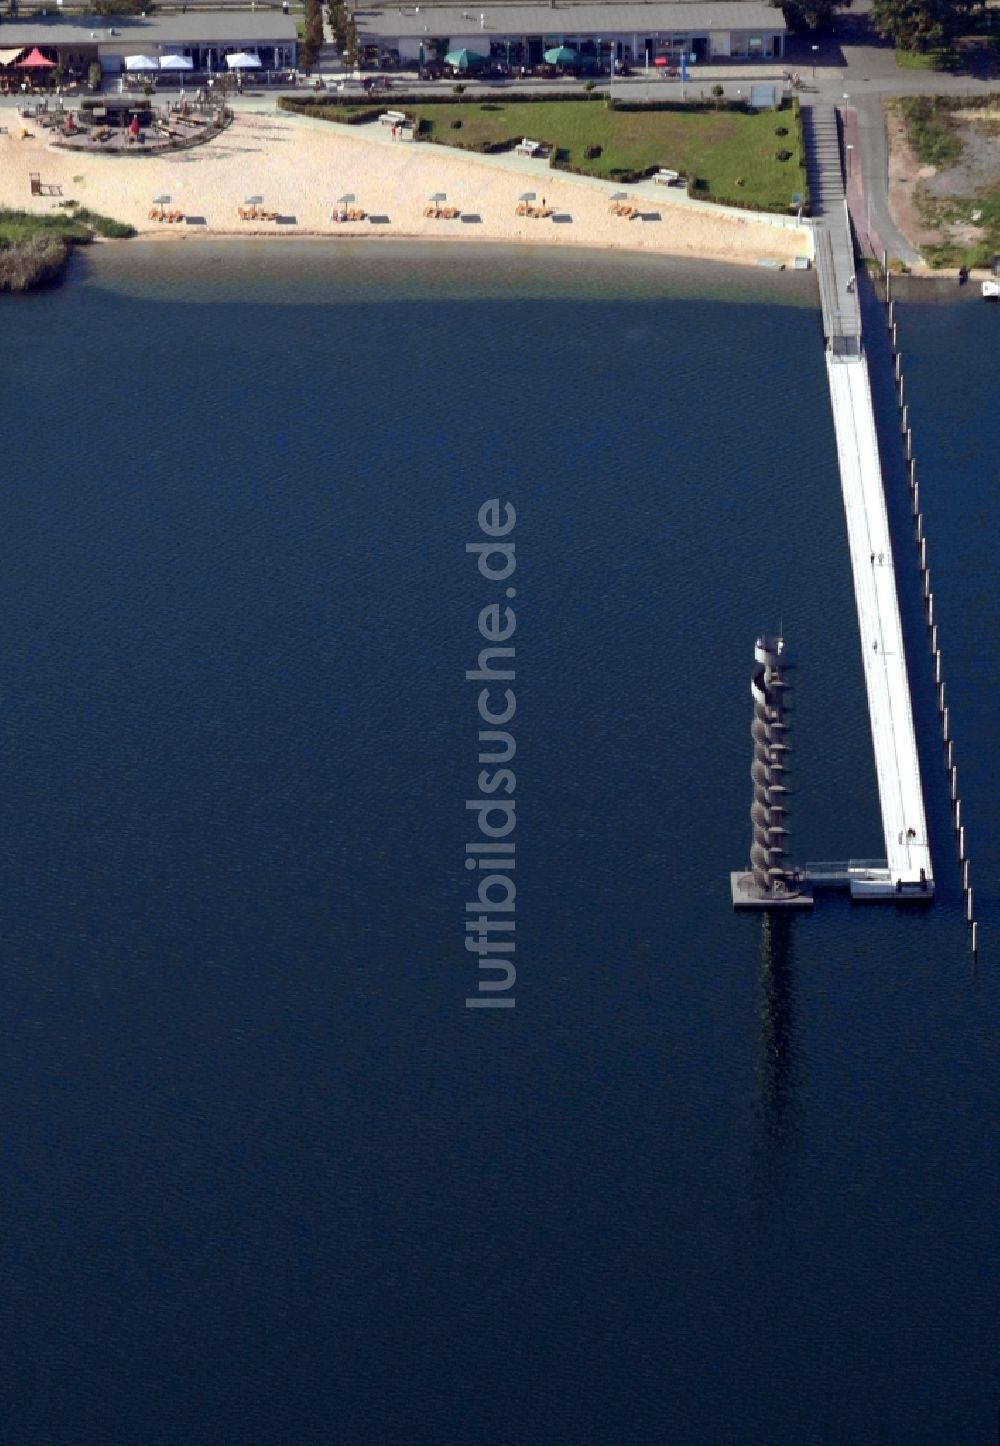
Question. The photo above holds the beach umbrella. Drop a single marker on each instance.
(464, 59)
(243, 60)
(35, 60)
(661, 60)
(527, 196)
(561, 55)
(134, 125)
(437, 196)
(618, 196)
(140, 62)
(7, 57)
(161, 200)
(254, 201)
(347, 199)
(176, 62)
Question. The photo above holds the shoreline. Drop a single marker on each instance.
(300, 168)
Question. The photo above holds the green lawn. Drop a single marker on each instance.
(732, 153)
(926, 59)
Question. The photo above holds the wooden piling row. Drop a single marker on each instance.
(944, 711)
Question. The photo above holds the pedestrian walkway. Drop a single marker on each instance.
(908, 872)
(834, 247)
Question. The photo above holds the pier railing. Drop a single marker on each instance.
(884, 285)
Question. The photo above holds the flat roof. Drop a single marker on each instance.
(649, 17)
(146, 32)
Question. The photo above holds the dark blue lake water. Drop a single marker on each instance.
(266, 1179)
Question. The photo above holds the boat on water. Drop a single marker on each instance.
(991, 290)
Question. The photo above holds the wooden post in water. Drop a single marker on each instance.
(906, 428)
(953, 775)
(937, 667)
(916, 497)
(965, 875)
(927, 584)
(975, 937)
(934, 638)
(961, 844)
(968, 906)
(950, 759)
(958, 814)
(944, 726)
(930, 608)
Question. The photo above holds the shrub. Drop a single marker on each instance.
(458, 89)
(590, 86)
(35, 261)
(782, 155)
(781, 131)
(592, 152)
(456, 125)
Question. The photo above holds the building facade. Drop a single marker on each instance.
(628, 34)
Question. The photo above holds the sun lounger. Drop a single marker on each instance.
(667, 178)
(527, 147)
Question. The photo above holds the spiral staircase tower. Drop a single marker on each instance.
(770, 882)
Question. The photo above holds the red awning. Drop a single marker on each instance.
(661, 60)
(35, 60)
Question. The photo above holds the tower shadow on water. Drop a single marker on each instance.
(776, 1040)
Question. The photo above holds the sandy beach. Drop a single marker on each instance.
(300, 166)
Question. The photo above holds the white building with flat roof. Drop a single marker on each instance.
(634, 32)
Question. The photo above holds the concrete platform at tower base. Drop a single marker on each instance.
(746, 895)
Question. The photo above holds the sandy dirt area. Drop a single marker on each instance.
(906, 173)
(977, 169)
(300, 167)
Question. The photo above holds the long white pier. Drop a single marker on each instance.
(908, 872)
(897, 766)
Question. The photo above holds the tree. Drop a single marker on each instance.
(312, 39)
(807, 14)
(920, 24)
